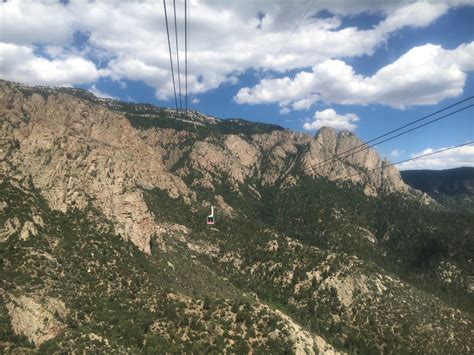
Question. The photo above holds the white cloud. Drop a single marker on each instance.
(25, 22)
(20, 64)
(416, 14)
(461, 156)
(330, 118)
(128, 38)
(195, 100)
(101, 94)
(304, 104)
(424, 75)
(396, 153)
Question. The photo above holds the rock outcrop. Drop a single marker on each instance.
(78, 152)
(304, 342)
(38, 319)
(276, 157)
(67, 276)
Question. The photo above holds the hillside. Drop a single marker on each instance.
(453, 188)
(105, 246)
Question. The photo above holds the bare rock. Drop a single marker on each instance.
(38, 319)
(242, 150)
(345, 157)
(38, 220)
(27, 230)
(346, 287)
(12, 225)
(303, 341)
(76, 152)
(223, 206)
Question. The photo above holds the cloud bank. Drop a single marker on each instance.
(21, 64)
(462, 156)
(330, 118)
(424, 75)
(83, 41)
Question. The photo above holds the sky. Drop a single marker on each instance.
(366, 66)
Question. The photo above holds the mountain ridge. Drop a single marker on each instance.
(103, 235)
(452, 188)
(88, 139)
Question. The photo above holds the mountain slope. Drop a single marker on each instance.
(453, 188)
(75, 149)
(301, 257)
(70, 284)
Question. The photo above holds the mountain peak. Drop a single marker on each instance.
(108, 151)
(118, 194)
(345, 133)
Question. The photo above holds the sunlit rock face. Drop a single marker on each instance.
(79, 151)
(76, 152)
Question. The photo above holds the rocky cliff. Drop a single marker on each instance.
(272, 157)
(104, 246)
(78, 153)
(77, 149)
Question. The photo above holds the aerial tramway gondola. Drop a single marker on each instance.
(210, 218)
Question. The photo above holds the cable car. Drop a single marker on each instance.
(210, 218)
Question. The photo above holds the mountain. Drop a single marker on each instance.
(75, 147)
(453, 188)
(105, 246)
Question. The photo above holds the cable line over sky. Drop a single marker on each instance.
(179, 92)
(392, 134)
(384, 166)
(284, 44)
(364, 146)
(404, 126)
(177, 55)
(186, 59)
(292, 33)
(171, 57)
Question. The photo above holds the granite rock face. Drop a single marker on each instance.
(38, 319)
(78, 152)
(279, 156)
(75, 152)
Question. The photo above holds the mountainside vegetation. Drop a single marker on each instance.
(453, 188)
(104, 245)
(109, 296)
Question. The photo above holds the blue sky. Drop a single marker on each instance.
(364, 66)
